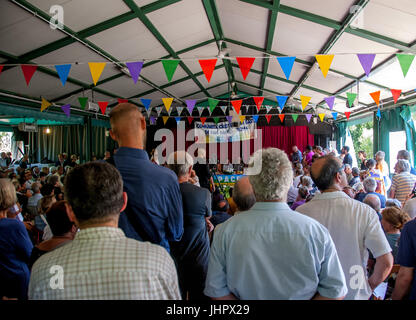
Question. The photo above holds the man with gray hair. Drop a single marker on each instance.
(405, 155)
(192, 251)
(353, 226)
(370, 186)
(270, 251)
(403, 181)
(374, 202)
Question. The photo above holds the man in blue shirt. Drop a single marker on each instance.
(347, 157)
(405, 155)
(154, 211)
(270, 251)
(370, 186)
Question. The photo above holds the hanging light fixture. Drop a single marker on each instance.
(48, 130)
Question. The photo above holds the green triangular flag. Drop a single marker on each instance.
(351, 98)
(295, 117)
(170, 67)
(216, 120)
(212, 104)
(405, 61)
(83, 102)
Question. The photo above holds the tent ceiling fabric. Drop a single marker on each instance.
(132, 30)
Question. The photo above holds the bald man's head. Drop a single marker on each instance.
(328, 172)
(243, 194)
(128, 126)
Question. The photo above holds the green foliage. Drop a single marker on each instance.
(5, 141)
(361, 142)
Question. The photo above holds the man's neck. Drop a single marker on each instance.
(183, 179)
(332, 189)
(110, 224)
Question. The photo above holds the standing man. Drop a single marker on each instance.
(405, 155)
(154, 212)
(403, 182)
(354, 227)
(347, 157)
(296, 155)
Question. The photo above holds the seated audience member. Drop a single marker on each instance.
(40, 220)
(374, 202)
(60, 161)
(298, 175)
(35, 172)
(63, 230)
(363, 158)
(308, 156)
(307, 182)
(393, 220)
(42, 178)
(251, 251)
(349, 191)
(377, 175)
(355, 176)
(47, 190)
(292, 194)
(74, 161)
(363, 174)
(57, 185)
(15, 248)
(402, 182)
(32, 202)
(192, 251)
(243, 195)
(154, 212)
(22, 196)
(119, 268)
(410, 208)
(347, 157)
(301, 199)
(405, 155)
(24, 162)
(353, 226)
(393, 203)
(406, 278)
(370, 186)
(296, 155)
(52, 170)
(348, 172)
(45, 170)
(28, 178)
(220, 213)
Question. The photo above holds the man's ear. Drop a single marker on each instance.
(143, 123)
(113, 135)
(71, 215)
(125, 198)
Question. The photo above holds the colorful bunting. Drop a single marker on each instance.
(190, 119)
(208, 67)
(200, 110)
(347, 114)
(335, 115)
(255, 118)
(203, 119)
(324, 62)
(216, 120)
(405, 61)
(281, 101)
(103, 106)
(224, 109)
(212, 104)
(351, 98)
(28, 71)
(268, 108)
(190, 104)
(167, 102)
(268, 117)
(308, 117)
(330, 101)
(83, 102)
(286, 63)
(396, 94)
(170, 67)
(237, 105)
(245, 65)
(321, 116)
(258, 101)
(63, 71)
(295, 117)
(229, 118)
(304, 100)
(376, 96)
(165, 119)
(152, 120)
(179, 109)
(67, 110)
(122, 100)
(135, 68)
(242, 118)
(378, 115)
(282, 118)
(96, 69)
(44, 105)
(178, 119)
(366, 61)
(158, 110)
(146, 103)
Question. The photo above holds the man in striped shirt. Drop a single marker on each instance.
(403, 181)
(101, 263)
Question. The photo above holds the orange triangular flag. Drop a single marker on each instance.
(376, 96)
(242, 118)
(208, 67)
(258, 101)
(396, 94)
(268, 117)
(165, 119)
(282, 117)
(245, 65)
(347, 114)
(203, 119)
(45, 104)
(237, 105)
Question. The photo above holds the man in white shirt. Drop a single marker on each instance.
(354, 228)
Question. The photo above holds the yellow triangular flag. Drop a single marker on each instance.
(304, 100)
(324, 61)
(242, 118)
(96, 69)
(167, 102)
(45, 104)
(165, 119)
(321, 116)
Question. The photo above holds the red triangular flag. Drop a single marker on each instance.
(1, 68)
(122, 100)
(396, 94)
(103, 105)
(347, 114)
(208, 67)
(268, 117)
(28, 71)
(237, 105)
(376, 97)
(203, 119)
(190, 119)
(282, 117)
(245, 65)
(258, 101)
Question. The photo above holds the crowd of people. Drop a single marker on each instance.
(306, 226)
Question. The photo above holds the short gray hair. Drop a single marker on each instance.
(393, 203)
(35, 187)
(370, 184)
(347, 166)
(180, 162)
(52, 169)
(373, 201)
(410, 208)
(276, 176)
(403, 154)
(307, 181)
(380, 154)
(403, 165)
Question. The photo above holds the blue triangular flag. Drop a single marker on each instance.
(146, 103)
(255, 118)
(286, 63)
(335, 115)
(63, 71)
(378, 113)
(281, 101)
(178, 119)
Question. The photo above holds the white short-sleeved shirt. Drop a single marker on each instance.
(354, 228)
